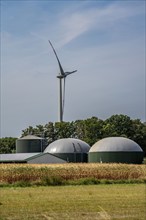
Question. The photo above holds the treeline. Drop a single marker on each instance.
(92, 129)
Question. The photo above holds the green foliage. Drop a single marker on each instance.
(117, 125)
(53, 181)
(64, 129)
(93, 130)
(139, 133)
(49, 132)
(7, 145)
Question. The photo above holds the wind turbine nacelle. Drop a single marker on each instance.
(61, 76)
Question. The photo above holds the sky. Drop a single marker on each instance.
(103, 40)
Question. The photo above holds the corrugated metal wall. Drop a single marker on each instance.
(29, 146)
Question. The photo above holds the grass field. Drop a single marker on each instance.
(109, 202)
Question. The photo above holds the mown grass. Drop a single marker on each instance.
(102, 202)
(70, 174)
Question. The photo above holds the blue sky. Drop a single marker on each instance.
(103, 40)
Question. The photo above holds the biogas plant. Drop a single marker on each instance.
(32, 149)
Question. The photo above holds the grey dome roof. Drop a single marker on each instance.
(112, 144)
(30, 137)
(67, 145)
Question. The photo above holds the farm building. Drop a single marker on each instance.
(30, 144)
(69, 149)
(32, 158)
(116, 150)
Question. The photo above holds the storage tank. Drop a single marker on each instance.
(116, 150)
(69, 149)
(30, 144)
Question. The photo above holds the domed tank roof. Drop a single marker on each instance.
(30, 137)
(67, 145)
(112, 144)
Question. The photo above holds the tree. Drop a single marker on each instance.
(93, 130)
(64, 130)
(49, 132)
(7, 145)
(79, 126)
(138, 133)
(28, 131)
(117, 125)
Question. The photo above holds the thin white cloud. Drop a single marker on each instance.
(77, 23)
(73, 23)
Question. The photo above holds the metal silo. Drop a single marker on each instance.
(116, 150)
(69, 149)
(30, 144)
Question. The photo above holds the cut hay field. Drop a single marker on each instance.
(101, 202)
(70, 174)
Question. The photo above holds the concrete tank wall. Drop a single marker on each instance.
(116, 157)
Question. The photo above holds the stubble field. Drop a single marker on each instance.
(102, 202)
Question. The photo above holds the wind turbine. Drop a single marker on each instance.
(62, 77)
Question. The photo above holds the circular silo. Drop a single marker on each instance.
(69, 149)
(30, 144)
(116, 150)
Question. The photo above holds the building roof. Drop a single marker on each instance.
(25, 157)
(17, 157)
(67, 145)
(112, 144)
(30, 137)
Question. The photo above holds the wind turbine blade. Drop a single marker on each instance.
(68, 73)
(63, 104)
(71, 71)
(61, 69)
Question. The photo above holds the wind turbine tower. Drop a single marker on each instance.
(62, 77)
